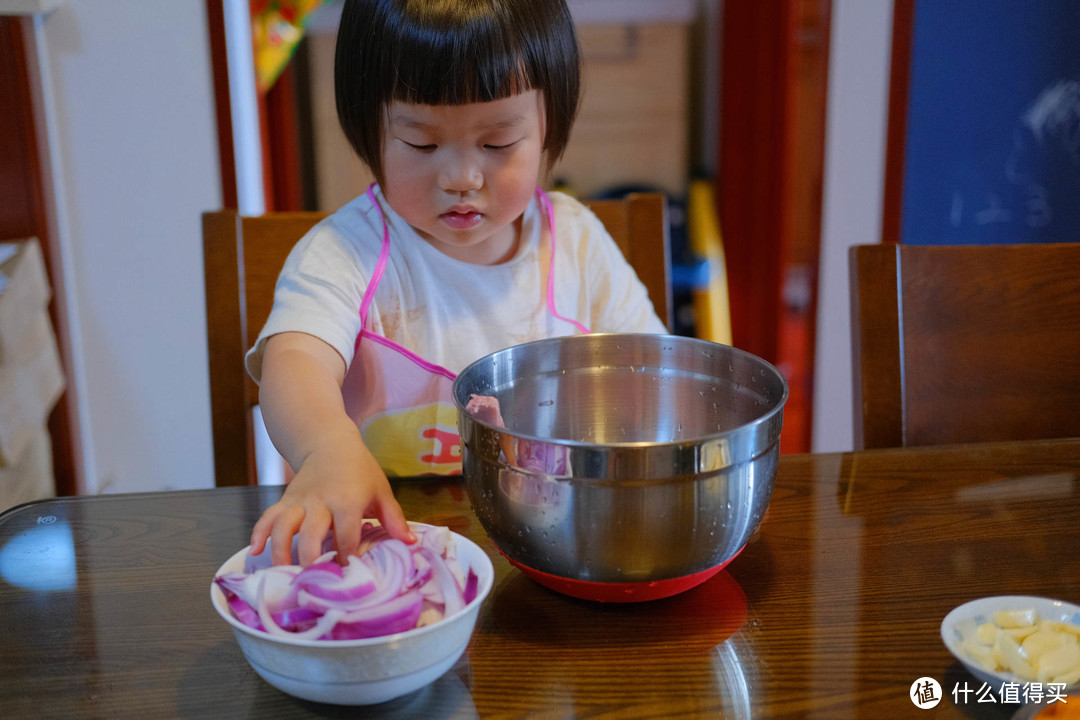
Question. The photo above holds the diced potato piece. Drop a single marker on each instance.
(1069, 678)
(997, 657)
(1040, 642)
(981, 654)
(1018, 641)
(1062, 660)
(1008, 650)
(986, 633)
(1020, 633)
(1016, 618)
(1060, 627)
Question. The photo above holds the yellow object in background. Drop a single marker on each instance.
(560, 185)
(712, 312)
(277, 27)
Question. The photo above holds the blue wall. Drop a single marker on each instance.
(992, 152)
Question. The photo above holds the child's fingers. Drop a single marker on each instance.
(286, 525)
(347, 524)
(312, 533)
(393, 519)
(260, 532)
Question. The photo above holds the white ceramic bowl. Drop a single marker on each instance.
(963, 620)
(365, 671)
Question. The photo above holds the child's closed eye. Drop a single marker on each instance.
(507, 146)
(425, 148)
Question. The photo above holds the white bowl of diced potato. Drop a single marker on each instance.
(1016, 639)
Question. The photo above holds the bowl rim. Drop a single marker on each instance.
(764, 418)
(486, 580)
(972, 608)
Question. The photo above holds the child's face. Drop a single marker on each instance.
(462, 175)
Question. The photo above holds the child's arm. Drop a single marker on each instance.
(337, 479)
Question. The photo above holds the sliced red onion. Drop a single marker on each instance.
(472, 585)
(296, 619)
(275, 583)
(328, 581)
(388, 588)
(243, 612)
(397, 615)
(443, 582)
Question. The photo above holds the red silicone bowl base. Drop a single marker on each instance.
(621, 592)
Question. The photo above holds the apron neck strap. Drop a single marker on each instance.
(380, 266)
(545, 205)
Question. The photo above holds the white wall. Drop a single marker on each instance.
(134, 156)
(859, 57)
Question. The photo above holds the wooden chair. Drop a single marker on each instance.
(965, 343)
(243, 256)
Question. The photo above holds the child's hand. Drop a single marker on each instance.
(338, 481)
(337, 486)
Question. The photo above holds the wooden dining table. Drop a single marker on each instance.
(833, 609)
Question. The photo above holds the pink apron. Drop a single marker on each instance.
(400, 401)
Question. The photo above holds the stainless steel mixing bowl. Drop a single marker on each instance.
(630, 459)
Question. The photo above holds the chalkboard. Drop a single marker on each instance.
(992, 143)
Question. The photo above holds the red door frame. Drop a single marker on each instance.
(896, 135)
(23, 214)
(771, 168)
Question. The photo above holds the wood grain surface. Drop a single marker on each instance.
(832, 611)
(965, 343)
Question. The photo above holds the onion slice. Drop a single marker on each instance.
(389, 587)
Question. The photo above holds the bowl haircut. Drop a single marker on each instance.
(453, 52)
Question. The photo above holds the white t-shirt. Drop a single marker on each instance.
(447, 311)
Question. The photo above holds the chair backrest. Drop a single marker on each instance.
(243, 256)
(955, 344)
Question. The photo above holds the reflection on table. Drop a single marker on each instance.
(832, 610)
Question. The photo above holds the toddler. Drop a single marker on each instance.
(454, 253)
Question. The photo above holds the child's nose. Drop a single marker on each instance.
(462, 174)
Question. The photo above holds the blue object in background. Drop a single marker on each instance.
(992, 152)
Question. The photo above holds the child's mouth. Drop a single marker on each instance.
(461, 220)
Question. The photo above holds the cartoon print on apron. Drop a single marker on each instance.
(402, 402)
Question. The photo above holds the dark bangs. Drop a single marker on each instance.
(457, 58)
(453, 52)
